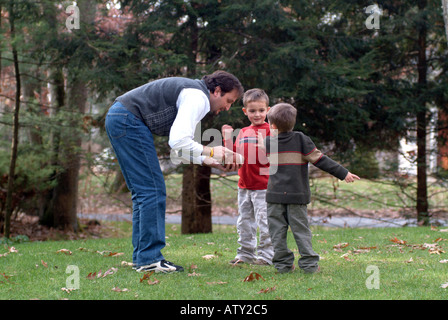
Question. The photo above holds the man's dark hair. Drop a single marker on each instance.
(226, 81)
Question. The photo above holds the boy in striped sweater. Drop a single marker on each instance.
(288, 190)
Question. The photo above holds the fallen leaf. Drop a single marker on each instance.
(436, 251)
(67, 290)
(346, 256)
(216, 282)
(100, 274)
(444, 285)
(44, 263)
(153, 282)
(367, 248)
(358, 251)
(108, 272)
(398, 241)
(91, 276)
(253, 276)
(444, 261)
(116, 289)
(410, 260)
(115, 254)
(146, 276)
(341, 245)
(209, 256)
(66, 251)
(268, 290)
(194, 274)
(5, 277)
(192, 268)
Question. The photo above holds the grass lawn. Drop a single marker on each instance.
(361, 264)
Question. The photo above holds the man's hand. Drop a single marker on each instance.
(225, 159)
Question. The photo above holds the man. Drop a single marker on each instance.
(167, 107)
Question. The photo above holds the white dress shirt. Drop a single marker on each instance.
(192, 105)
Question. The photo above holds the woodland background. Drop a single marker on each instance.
(359, 90)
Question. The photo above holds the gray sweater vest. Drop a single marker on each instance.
(155, 102)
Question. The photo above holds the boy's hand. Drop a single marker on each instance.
(226, 131)
(230, 159)
(260, 141)
(210, 162)
(350, 177)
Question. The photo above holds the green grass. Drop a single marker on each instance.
(406, 271)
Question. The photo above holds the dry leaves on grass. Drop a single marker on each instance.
(209, 256)
(147, 279)
(397, 241)
(105, 253)
(267, 290)
(116, 289)
(68, 290)
(253, 276)
(5, 277)
(66, 251)
(92, 276)
(10, 250)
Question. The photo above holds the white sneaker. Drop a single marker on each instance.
(161, 266)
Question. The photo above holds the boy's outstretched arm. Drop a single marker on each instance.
(350, 177)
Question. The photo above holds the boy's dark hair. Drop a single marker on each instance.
(226, 81)
(283, 115)
(255, 95)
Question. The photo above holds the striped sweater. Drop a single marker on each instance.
(289, 154)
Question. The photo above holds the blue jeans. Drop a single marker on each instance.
(133, 144)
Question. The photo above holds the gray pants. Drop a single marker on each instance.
(280, 216)
(253, 215)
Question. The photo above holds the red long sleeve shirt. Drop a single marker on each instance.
(254, 174)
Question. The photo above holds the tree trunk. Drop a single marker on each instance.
(57, 88)
(196, 199)
(422, 191)
(196, 196)
(62, 210)
(15, 139)
(65, 195)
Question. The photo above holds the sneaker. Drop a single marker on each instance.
(161, 266)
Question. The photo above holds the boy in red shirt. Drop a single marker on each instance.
(252, 184)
